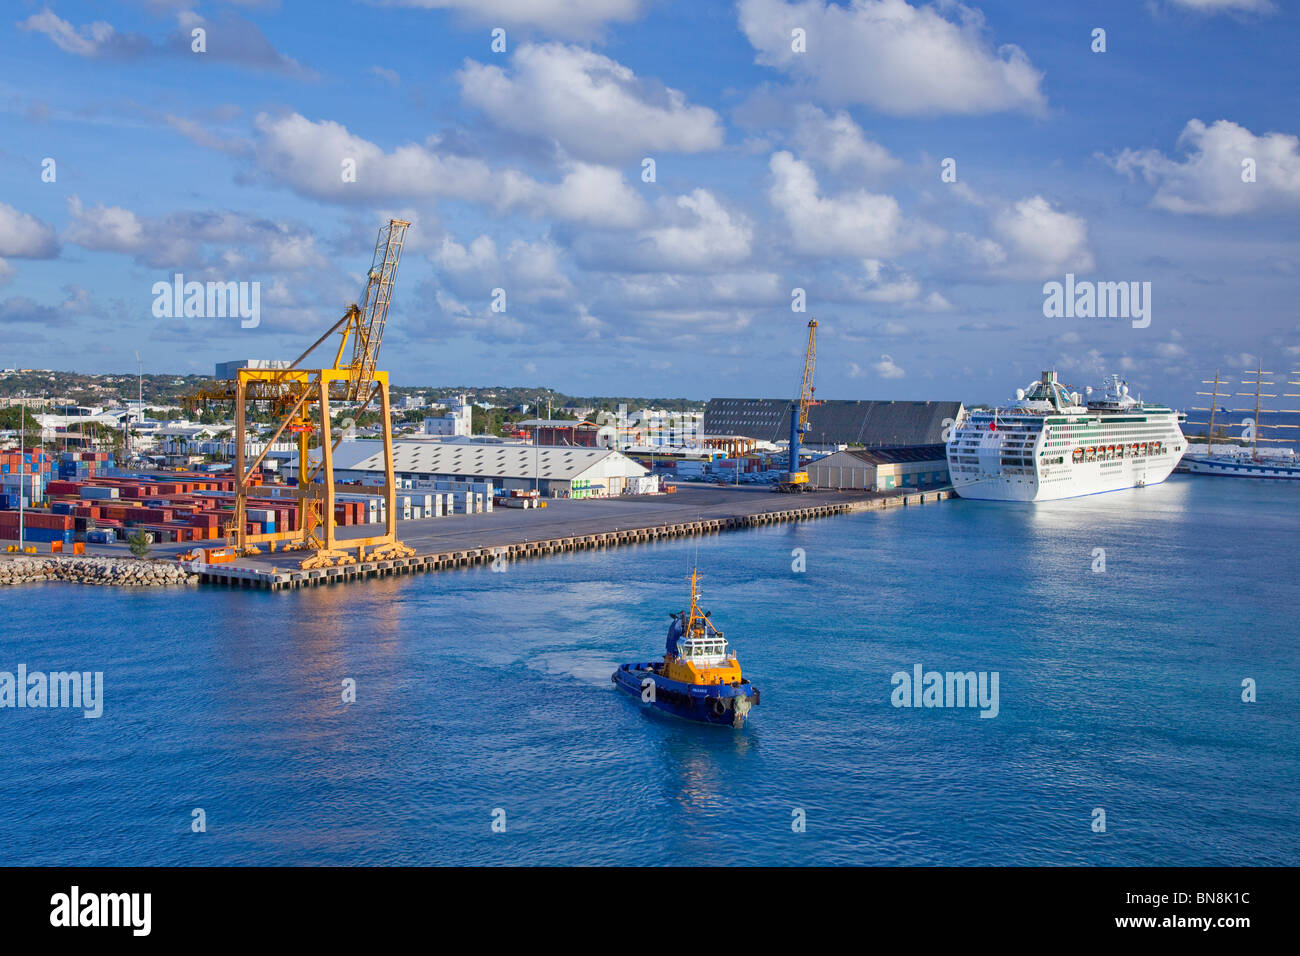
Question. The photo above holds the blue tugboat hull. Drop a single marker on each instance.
(709, 704)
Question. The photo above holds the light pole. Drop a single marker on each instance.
(139, 366)
(22, 454)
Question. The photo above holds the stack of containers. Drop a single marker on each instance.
(23, 477)
(38, 527)
(85, 464)
(263, 516)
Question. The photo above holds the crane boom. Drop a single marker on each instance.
(374, 304)
(807, 389)
(794, 479)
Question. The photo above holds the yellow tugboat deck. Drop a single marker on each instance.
(703, 654)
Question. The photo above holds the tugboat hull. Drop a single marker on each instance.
(723, 704)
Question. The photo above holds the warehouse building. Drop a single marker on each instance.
(881, 469)
(553, 471)
(833, 424)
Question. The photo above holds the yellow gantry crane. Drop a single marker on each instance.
(300, 398)
(794, 479)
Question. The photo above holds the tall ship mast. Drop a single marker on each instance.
(1051, 442)
(1240, 455)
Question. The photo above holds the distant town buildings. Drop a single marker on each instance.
(458, 421)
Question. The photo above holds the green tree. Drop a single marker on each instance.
(9, 419)
(138, 543)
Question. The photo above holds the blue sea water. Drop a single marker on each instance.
(480, 692)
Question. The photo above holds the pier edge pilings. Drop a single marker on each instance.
(279, 580)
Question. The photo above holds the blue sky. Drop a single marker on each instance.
(775, 169)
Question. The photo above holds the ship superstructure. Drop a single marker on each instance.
(1053, 443)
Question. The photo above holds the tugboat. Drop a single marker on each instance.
(699, 678)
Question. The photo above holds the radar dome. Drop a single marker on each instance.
(1020, 394)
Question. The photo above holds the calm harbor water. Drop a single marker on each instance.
(478, 691)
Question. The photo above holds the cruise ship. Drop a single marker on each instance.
(1052, 443)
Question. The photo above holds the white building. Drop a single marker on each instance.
(457, 421)
(552, 470)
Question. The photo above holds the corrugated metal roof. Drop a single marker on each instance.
(555, 423)
(562, 463)
(871, 423)
(888, 456)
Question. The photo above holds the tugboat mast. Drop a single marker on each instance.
(697, 622)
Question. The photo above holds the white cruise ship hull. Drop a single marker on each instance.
(1082, 479)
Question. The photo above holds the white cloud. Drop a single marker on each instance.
(592, 106)
(231, 39)
(1209, 180)
(528, 271)
(92, 40)
(104, 228)
(839, 143)
(881, 282)
(218, 243)
(701, 236)
(856, 223)
(684, 234)
(1031, 239)
(76, 304)
(590, 195)
(23, 236)
(308, 157)
(894, 57)
(1043, 235)
(574, 18)
(1222, 6)
(664, 293)
(886, 368)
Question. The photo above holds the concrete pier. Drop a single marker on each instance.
(523, 535)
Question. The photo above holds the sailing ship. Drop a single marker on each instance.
(1243, 457)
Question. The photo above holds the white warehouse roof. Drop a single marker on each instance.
(561, 463)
